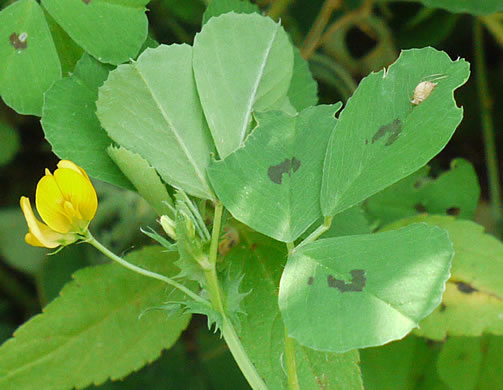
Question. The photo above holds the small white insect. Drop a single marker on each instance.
(424, 89)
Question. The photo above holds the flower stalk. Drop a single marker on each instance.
(92, 241)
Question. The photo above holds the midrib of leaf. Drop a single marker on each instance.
(74, 337)
(174, 130)
(260, 74)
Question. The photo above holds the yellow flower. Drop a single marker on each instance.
(66, 202)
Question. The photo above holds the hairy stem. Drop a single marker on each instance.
(91, 240)
(229, 333)
(487, 127)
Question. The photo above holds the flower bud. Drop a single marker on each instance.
(169, 226)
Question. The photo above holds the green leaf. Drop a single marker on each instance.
(242, 63)
(455, 192)
(69, 52)
(375, 283)
(112, 31)
(71, 126)
(381, 137)
(14, 250)
(10, 143)
(463, 312)
(469, 363)
(491, 371)
(93, 332)
(474, 7)
(398, 365)
(459, 362)
(303, 91)
(144, 178)
(174, 136)
(262, 330)
(473, 300)
(408, 364)
(29, 62)
(219, 7)
(273, 183)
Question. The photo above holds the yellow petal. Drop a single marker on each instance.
(49, 200)
(32, 240)
(39, 234)
(78, 190)
(71, 165)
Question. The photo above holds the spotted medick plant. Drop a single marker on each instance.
(260, 193)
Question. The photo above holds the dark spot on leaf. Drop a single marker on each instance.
(276, 172)
(420, 208)
(392, 130)
(19, 41)
(253, 246)
(86, 1)
(358, 282)
(418, 184)
(366, 142)
(453, 211)
(442, 308)
(310, 280)
(465, 288)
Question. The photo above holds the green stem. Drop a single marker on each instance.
(229, 333)
(318, 232)
(214, 289)
(291, 362)
(241, 357)
(215, 233)
(91, 240)
(314, 35)
(487, 126)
